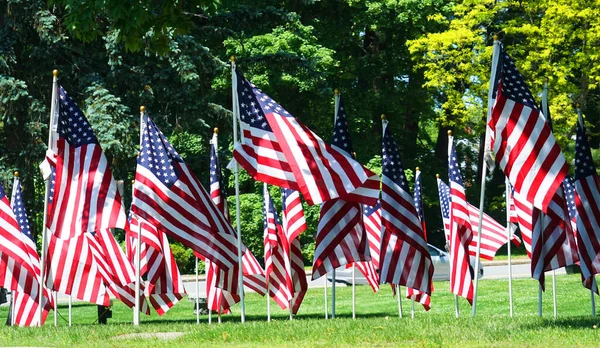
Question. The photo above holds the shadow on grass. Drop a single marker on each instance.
(580, 322)
(262, 318)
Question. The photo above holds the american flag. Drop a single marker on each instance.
(522, 213)
(372, 223)
(293, 225)
(414, 294)
(169, 197)
(569, 187)
(587, 201)
(277, 257)
(493, 234)
(404, 258)
(19, 261)
(254, 276)
(164, 284)
(85, 195)
(341, 240)
(277, 149)
(461, 232)
(523, 142)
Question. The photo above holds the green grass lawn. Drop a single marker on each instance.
(377, 322)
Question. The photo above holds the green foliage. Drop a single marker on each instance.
(184, 257)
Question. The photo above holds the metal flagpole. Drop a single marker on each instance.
(219, 315)
(70, 310)
(197, 294)
(326, 299)
(353, 291)
(540, 291)
(236, 114)
(336, 99)
(495, 57)
(265, 191)
(398, 289)
(138, 280)
(54, 294)
(51, 129)
(594, 285)
(456, 305)
(509, 234)
(546, 114)
(412, 309)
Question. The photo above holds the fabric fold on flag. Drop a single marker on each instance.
(20, 262)
(85, 195)
(169, 197)
(341, 239)
(523, 142)
(493, 234)
(587, 208)
(404, 256)
(279, 150)
(253, 275)
(277, 256)
(414, 294)
(461, 231)
(163, 285)
(294, 223)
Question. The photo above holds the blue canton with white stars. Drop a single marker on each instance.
(72, 124)
(285, 193)
(445, 199)
(215, 172)
(271, 210)
(584, 163)
(341, 135)
(157, 154)
(417, 197)
(20, 211)
(453, 168)
(513, 85)
(52, 184)
(392, 167)
(569, 188)
(369, 210)
(254, 104)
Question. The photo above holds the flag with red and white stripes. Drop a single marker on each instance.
(461, 231)
(19, 261)
(277, 257)
(253, 274)
(169, 197)
(279, 150)
(587, 201)
(493, 234)
(413, 294)
(340, 240)
(553, 242)
(293, 225)
(523, 142)
(372, 224)
(521, 213)
(164, 284)
(85, 195)
(404, 258)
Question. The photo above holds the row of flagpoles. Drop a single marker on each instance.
(169, 199)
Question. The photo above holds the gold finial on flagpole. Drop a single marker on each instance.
(450, 132)
(495, 37)
(132, 181)
(354, 153)
(578, 105)
(382, 117)
(232, 58)
(142, 108)
(55, 72)
(336, 92)
(417, 168)
(216, 130)
(437, 176)
(16, 174)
